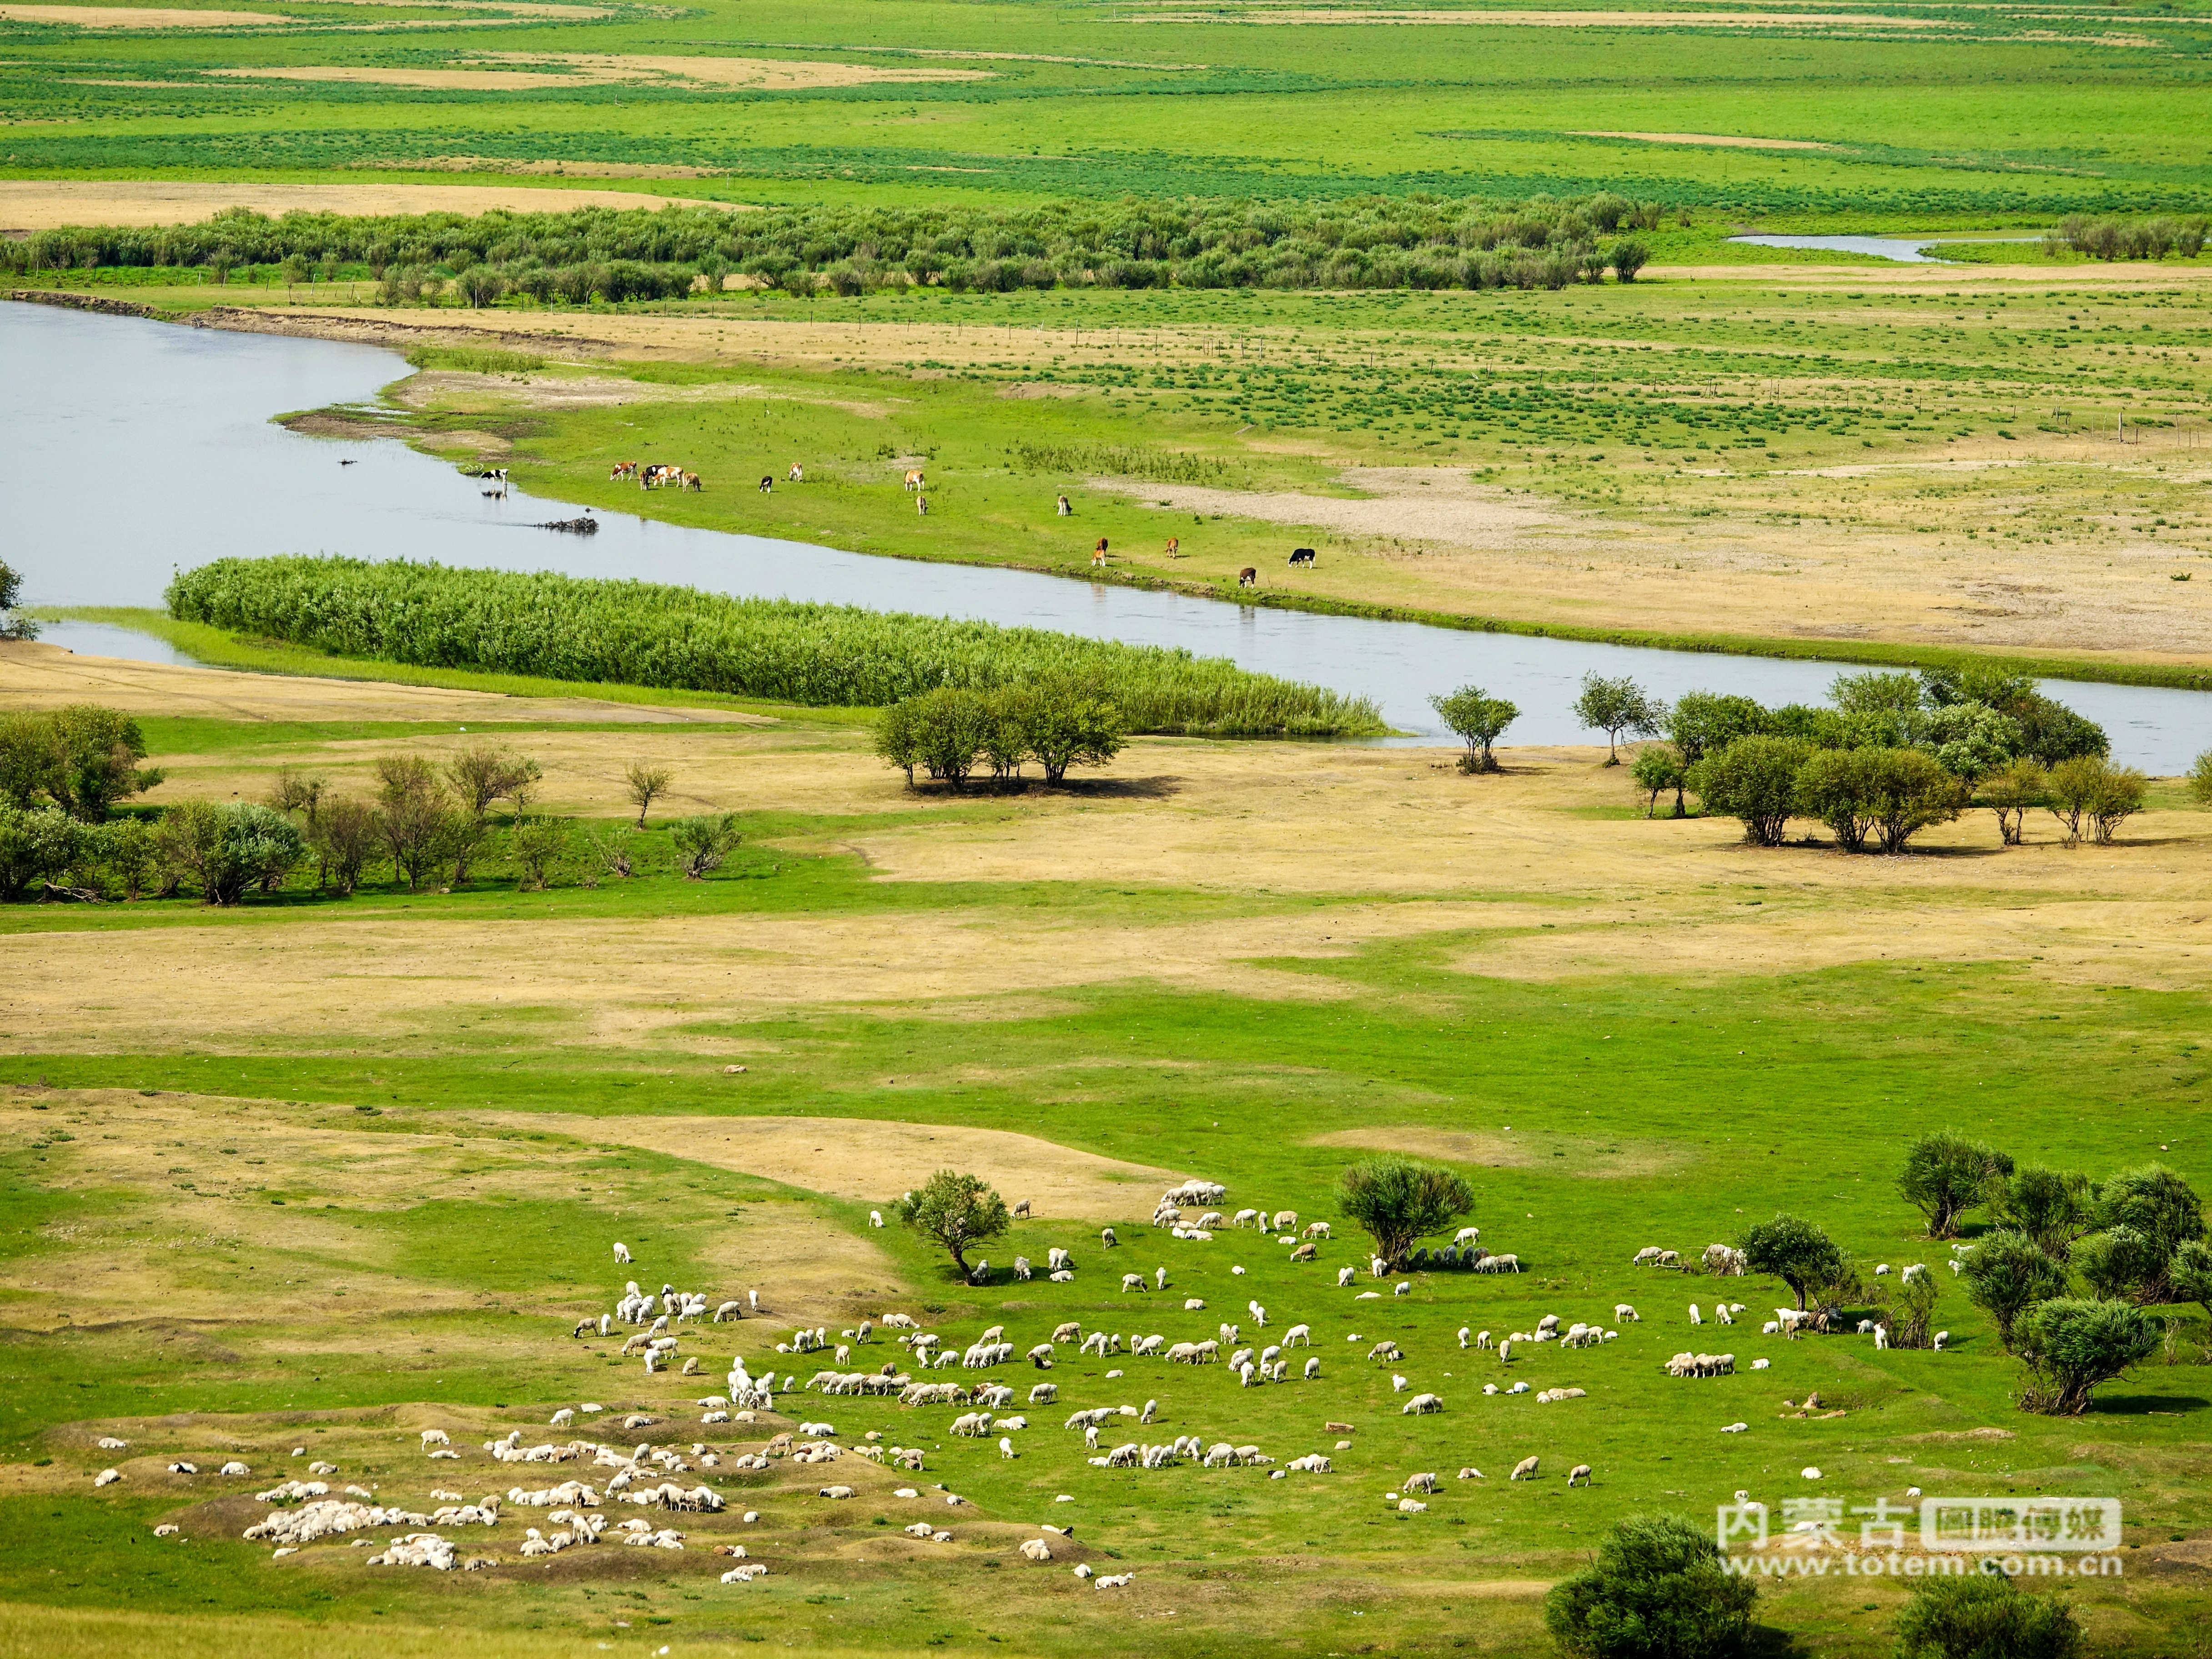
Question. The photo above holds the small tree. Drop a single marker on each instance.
(36, 845)
(98, 749)
(2189, 1273)
(1657, 1590)
(957, 1212)
(1834, 786)
(897, 739)
(346, 838)
(2155, 1202)
(230, 850)
(484, 774)
(1703, 723)
(2072, 787)
(1629, 257)
(1480, 719)
(1985, 1616)
(2073, 1345)
(1753, 779)
(2051, 1207)
(125, 849)
(2200, 779)
(1910, 792)
(643, 783)
(1067, 728)
(951, 726)
(2118, 796)
(2010, 791)
(1396, 1201)
(1946, 1175)
(2118, 1263)
(704, 842)
(1794, 1250)
(539, 845)
(1915, 1300)
(1615, 706)
(297, 792)
(2006, 1274)
(1658, 768)
(13, 626)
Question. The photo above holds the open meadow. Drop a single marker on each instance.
(491, 1057)
(297, 1179)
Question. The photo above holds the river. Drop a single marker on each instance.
(136, 448)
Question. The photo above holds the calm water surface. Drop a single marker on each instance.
(137, 449)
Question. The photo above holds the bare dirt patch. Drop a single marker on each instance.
(569, 390)
(873, 1161)
(44, 204)
(1601, 1160)
(1719, 141)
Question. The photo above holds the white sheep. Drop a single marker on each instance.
(1106, 1237)
(1344, 1276)
(1524, 1470)
(1401, 1287)
(1421, 1405)
(622, 1251)
(1695, 1318)
(1313, 1367)
(1623, 1312)
(1581, 1472)
(1942, 1339)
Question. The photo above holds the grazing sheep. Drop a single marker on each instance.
(1695, 1318)
(1761, 1365)
(1397, 1383)
(1194, 1305)
(1022, 1207)
(1133, 1282)
(1344, 1276)
(1421, 1405)
(1581, 1472)
(1425, 1482)
(1006, 1447)
(1623, 1311)
(1721, 1312)
(1401, 1287)
(1647, 1256)
(1524, 1470)
(1881, 1269)
(1722, 1261)
(1106, 1237)
(1313, 1368)
(622, 1251)
(1942, 1340)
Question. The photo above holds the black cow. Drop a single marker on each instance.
(1302, 555)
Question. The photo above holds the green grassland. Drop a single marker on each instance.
(1924, 109)
(257, 1240)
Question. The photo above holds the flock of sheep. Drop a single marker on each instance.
(642, 1475)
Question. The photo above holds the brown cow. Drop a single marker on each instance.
(1246, 576)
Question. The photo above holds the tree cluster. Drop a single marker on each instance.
(948, 734)
(1891, 755)
(2129, 239)
(616, 254)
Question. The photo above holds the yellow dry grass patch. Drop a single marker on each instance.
(201, 1162)
(139, 17)
(33, 676)
(1719, 141)
(445, 387)
(523, 71)
(44, 204)
(1504, 1150)
(1438, 505)
(872, 1160)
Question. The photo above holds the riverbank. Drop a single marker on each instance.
(1486, 489)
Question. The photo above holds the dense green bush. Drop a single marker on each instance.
(2008, 1272)
(642, 634)
(1753, 779)
(1979, 1615)
(1946, 1175)
(1479, 719)
(2129, 239)
(2073, 1345)
(1657, 1590)
(1396, 1201)
(1796, 1251)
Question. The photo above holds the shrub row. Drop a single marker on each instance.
(627, 254)
(2129, 238)
(643, 634)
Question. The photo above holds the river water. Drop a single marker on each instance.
(137, 447)
(1906, 250)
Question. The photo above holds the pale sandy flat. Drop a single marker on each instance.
(1561, 20)
(1434, 504)
(1721, 141)
(139, 17)
(47, 677)
(43, 203)
(873, 1161)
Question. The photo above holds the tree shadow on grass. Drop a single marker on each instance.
(2147, 1405)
